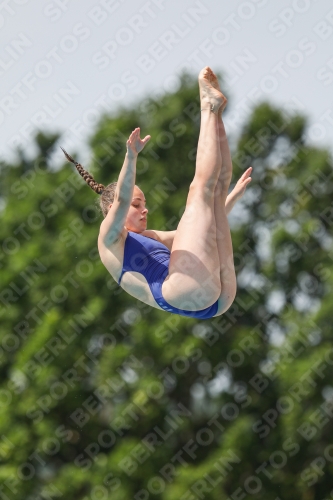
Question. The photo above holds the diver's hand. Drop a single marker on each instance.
(134, 144)
(238, 190)
(242, 184)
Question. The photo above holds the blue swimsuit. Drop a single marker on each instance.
(151, 258)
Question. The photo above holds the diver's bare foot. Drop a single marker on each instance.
(213, 79)
(215, 83)
(210, 93)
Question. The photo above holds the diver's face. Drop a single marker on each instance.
(137, 214)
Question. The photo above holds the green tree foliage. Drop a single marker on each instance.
(104, 397)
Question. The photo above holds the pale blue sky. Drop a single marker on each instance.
(63, 62)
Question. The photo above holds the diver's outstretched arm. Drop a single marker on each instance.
(113, 224)
(126, 179)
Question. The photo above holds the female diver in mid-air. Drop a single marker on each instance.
(189, 271)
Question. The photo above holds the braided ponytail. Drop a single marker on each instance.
(95, 186)
(107, 192)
